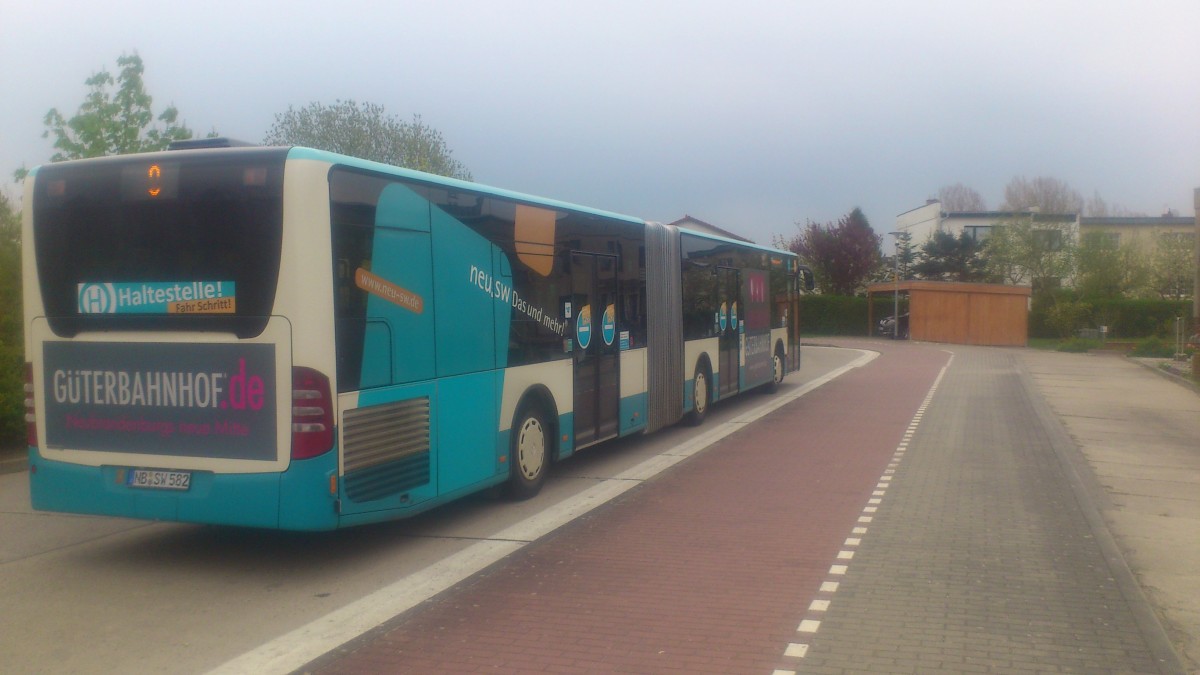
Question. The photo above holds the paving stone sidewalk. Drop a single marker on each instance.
(984, 555)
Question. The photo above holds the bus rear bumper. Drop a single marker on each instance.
(289, 500)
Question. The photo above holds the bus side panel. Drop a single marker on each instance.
(553, 380)
(400, 344)
(633, 391)
(467, 454)
(472, 302)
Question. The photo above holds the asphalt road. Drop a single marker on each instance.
(87, 594)
(935, 509)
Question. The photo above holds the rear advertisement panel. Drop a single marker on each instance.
(186, 400)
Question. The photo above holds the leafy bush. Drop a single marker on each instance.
(12, 395)
(1078, 345)
(1140, 318)
(12, 343)
(1065, 317)
(1154, 347)
(1125, 318)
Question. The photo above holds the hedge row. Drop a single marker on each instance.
(1125, 319)
(842, 315)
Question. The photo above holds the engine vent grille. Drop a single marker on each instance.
(386, 448)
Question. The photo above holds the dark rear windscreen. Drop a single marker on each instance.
(188, 240)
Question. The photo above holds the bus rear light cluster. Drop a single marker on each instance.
(30, 407)
(312, 413)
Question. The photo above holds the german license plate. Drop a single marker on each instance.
(155, 479)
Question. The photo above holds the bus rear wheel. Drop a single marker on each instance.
(529, 456)
(700, 398)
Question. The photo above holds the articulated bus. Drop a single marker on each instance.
(289, 338)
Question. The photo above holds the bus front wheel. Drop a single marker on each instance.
(530, 453)
(700, 398)
(778, 370)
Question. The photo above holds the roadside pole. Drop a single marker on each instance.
(1196, 287)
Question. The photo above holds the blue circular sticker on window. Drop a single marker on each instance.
(724, 315)
(733, 315)
(583, 326)
(608, 326)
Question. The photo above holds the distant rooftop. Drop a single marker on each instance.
(696, 224)
(1149, 221)
(1002, 215)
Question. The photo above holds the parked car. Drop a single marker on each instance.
(887, 327)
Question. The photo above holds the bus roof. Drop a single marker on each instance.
(298, 152)
(322, 155)
(737, 242)
(345, 160)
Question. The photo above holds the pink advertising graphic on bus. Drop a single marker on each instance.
(212, 400)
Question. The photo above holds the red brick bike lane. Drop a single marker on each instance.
(706, 568)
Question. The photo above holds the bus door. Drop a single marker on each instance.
(596, 350)
(728, 317)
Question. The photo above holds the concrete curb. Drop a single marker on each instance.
(1074, 464)
(1153, 364)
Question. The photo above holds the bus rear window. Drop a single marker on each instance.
(188, 240)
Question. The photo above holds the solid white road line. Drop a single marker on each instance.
(291, 651)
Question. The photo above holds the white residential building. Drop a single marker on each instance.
(923, 221)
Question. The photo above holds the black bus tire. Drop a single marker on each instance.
(701, 396)
(778, 370)
(530, 450)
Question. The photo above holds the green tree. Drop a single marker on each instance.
(1106, 269)
(1173, 271)
(12, 344)
(367, 131)
(945, 257)
(1034, 249)
(113, 123)
(906, 255)
(901, 260)
(842, 256)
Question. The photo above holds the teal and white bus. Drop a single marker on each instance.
(289, 338)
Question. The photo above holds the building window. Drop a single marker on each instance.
(1048, 240)
(979, 233)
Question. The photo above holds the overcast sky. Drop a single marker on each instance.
(749, 115)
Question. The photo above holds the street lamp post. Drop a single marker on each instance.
(896, 286)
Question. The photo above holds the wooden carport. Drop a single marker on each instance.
(960, 313)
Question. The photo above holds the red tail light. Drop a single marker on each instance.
(312, 413)
(30, 407)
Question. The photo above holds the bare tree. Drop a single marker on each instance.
(1096, 207)
(1043, 193)
(959, 197)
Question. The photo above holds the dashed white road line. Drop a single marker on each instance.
(306, 643)
(795, 652)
